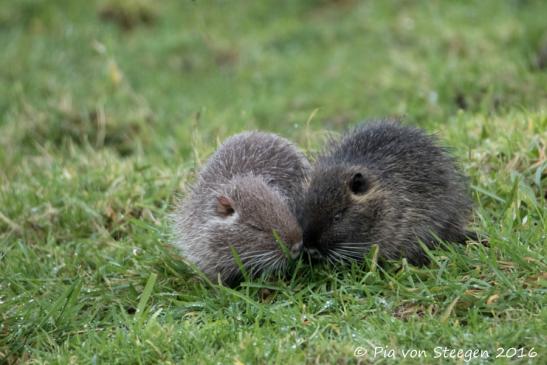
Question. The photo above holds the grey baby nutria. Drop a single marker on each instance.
(387, 184)
(244, 199)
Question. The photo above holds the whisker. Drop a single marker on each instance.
(333, 257)
(344, 257)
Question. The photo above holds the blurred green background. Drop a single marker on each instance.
(107, 107)
(150, 68)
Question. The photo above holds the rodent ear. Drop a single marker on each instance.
(358, 184)
(224, 206)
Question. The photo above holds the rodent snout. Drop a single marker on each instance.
(313, 247)
(314, 253)
(296, 249)
(311, 239)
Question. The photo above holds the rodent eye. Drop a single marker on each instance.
(358, 184)
(337, 217)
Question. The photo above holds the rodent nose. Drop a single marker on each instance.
(312, 245)
(296, 249)
(314, 253)
(310, 239)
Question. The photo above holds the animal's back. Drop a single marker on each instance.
(387, 146)
(262, 154)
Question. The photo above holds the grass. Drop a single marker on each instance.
(108, 107)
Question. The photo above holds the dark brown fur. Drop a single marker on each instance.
(387, 184)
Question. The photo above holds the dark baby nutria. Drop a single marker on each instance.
(244, 200)
(386, 184)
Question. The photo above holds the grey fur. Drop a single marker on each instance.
(409, 190)
(262, 175)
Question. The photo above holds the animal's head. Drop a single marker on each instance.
(254, 219)
(341, 212)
